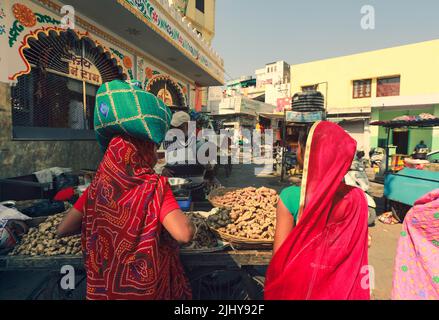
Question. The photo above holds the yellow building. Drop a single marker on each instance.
(201, 14)
(378, 85)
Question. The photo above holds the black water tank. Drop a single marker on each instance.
(310, 101)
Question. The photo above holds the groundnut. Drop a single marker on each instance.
(253, 212)
(42, 240)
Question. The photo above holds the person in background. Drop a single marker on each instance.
(131, 223)
(180, 120)
(420, 145)
(416, 271)
(76, 115)
(321, 238)
(289, 200)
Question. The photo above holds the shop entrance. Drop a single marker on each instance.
(401, 141)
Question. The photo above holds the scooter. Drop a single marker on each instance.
(357, 177)
(377, 156)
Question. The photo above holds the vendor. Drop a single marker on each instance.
(421, 151)
(173, 149)
(127, 206)
(420, 145)
(180, 121)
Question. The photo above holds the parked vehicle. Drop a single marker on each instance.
(357, 177)
(377, 156)
(433, 157)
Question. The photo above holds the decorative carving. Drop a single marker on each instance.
(127, 62)
(24, 15)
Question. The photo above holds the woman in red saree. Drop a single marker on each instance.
(325, 256)
(131, 223)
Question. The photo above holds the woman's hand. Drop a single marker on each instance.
(179, 226)
(71, 225)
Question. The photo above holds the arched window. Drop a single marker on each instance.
(56, 99)
(169, 91)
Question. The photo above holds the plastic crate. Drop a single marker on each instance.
(24, 188)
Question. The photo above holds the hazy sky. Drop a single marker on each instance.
(251, 33)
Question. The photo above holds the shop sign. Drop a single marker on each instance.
(305, 117)
(82, 69)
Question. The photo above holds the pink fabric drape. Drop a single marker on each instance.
(416, 273)
(325, 256)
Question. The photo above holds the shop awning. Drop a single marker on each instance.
(276, 115)
(413, 123)
(347, 120)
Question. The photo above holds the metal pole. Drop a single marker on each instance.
(386, 201)
(387, 151)
(284, 132)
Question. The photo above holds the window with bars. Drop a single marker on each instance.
(362, 89)
(389, 86)
(55, 100)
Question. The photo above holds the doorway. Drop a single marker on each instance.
(401, 141)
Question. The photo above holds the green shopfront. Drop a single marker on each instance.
(404, 139)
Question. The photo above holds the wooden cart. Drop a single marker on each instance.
(231, 275)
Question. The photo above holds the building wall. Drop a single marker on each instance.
(273, 74)
(25, 157)
(417, 64)
(203, 22)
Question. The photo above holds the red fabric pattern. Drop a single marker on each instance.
(169, 203)
(325, 256)
(127, 253)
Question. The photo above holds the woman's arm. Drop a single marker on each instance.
(71, 225)
(284, 225)
(179, 226)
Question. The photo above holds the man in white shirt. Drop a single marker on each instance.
(177, 150)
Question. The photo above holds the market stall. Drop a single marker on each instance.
(226, 260)
(406, 182)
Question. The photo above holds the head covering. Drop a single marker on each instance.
(325, 255)
(416, 272)
(179, 118)
(124, 108)
(128, 255)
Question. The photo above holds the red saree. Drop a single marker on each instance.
(325, 256)
(127, 253)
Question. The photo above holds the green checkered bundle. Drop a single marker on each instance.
(124, 108)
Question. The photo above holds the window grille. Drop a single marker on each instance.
(59, 92)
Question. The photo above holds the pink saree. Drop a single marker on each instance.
(325, 256)
(416, 273)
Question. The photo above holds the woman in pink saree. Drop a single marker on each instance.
(416, 273)
(325, 256)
